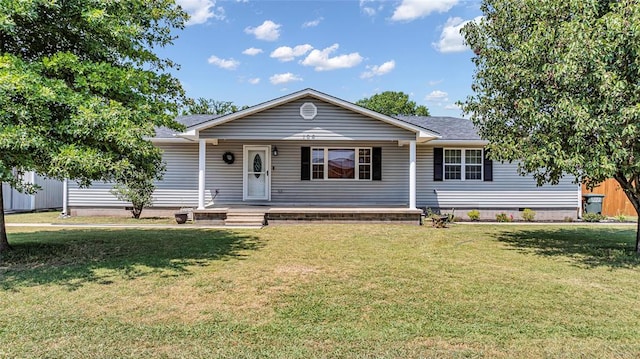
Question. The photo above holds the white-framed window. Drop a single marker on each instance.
(343, 163)
(462, 164)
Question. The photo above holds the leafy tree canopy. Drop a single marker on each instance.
(556, 88)
(204, 106)
(393, 103)
(81, 87)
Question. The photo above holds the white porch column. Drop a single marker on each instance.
(412, 174)
(202, 162)
(65, 197)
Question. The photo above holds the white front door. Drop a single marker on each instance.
(257, 173)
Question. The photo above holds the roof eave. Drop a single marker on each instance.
(459, 142)
(191, 135)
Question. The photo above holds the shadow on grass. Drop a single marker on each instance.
(591, 247)
(75, 257)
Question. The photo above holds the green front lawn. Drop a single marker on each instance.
(304, 291)
(54, 217)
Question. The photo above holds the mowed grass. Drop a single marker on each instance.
(322, 291)
(55, 218)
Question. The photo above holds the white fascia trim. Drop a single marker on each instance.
(170, 140)
(192, 135)
(424, 136)
(458, 142)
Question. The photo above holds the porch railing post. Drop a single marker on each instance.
(412, 174)
(202, 162)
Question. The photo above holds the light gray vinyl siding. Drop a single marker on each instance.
(287, 188)
(507, 190)
(178, 188)
(285, 123)
(97, 195)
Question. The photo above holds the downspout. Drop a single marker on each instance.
(65, 198)
(412, 174)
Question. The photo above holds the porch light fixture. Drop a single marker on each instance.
(274, 152)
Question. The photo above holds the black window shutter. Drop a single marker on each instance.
(487, 167)
(437, 163)
(376, 164)
(305, 164)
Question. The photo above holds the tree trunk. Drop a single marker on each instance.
(4, 243)
(638, 237)
(631, 189)
(136, 212)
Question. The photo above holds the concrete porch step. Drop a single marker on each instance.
(245, 218)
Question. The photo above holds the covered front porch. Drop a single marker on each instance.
(272, 173)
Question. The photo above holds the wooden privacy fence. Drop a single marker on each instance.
(615, 201)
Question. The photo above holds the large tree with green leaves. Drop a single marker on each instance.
(557, 88)
(393, 103)
(81, 88)
(207, 106)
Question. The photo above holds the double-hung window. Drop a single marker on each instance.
(341, 163)
(462, 164)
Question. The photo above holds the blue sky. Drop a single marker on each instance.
(249, 52)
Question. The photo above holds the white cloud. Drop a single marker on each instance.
(201, 10)
(452, 106)
(378, 70)
(313, 23)
(434, 82)
(410, 10)
(268, 31)
(252, 51)
(285, 53)
(254, 81)
(369, 11)
(322, 62)
(451, 39)
(437, 95)
(368, 7)
(284, 78)
(227, 64)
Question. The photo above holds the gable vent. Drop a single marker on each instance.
(308, 111)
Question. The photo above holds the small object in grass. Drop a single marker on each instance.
(440, 221)
(181, 218)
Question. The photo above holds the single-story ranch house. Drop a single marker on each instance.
(309, 155)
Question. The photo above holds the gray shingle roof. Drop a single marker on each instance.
(188, 121)
(450, 128)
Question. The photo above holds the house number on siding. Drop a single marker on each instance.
(308, 137)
